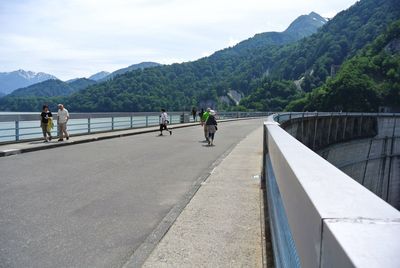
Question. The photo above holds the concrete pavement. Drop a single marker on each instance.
(220, 227)
(96, 204)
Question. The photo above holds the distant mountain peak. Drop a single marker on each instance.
(99, 75)
(10, 81)
(142, 65)
(301, 27)
(306, 24)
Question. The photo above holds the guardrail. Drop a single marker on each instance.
(319, 216)
(26, 126)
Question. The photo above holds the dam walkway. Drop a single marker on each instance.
(133, 196)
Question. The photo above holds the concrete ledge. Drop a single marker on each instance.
(325, 207)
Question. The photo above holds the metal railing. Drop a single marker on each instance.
(319, 216)
(26, 126)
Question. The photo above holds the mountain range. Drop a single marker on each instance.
(41, 84)
(270, 70)
(53, 87)
(10, 81)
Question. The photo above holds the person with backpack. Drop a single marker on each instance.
(204, 119)
(211, 127)
(164, 122)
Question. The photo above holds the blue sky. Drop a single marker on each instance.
(77, 38)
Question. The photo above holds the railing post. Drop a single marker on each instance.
(147, 120)
(17, 130)
(131, 121)
(112, 123)
(88, 121)
(264, 165)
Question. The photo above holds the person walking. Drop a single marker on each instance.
(201, 113)
(62, 119)
(194, 113)
(164, 122)
(203, 122)
(46, 123)
(211, 127)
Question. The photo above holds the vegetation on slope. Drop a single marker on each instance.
(365, 82)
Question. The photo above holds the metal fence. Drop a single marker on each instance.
(26, 126)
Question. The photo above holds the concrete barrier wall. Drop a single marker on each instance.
(317, 132)
(367, 148)
(335, 222)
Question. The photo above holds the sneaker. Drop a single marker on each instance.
(50, 138)
(67, 137)
(170, 132)
(45, 141)
(160, 134)
(60, 139)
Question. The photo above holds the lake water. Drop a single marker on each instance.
(32, 129)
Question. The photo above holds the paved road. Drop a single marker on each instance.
(93, 205)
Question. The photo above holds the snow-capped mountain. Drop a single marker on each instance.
(20, 78)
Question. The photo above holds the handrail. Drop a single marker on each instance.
(332, 219)
(24, 126)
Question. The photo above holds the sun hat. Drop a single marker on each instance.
(212, 112)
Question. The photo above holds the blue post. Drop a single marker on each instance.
(147, 120)
(131, 121)
(112, 123)
(88, 121)
(17, 130)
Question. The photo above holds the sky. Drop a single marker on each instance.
(77, 38)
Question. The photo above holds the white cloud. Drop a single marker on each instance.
(57, 35)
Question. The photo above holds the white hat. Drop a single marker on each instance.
(212, 112)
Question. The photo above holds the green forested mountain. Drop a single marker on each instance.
(339, 39)
(364, 82)
(142, 65)
(309, 61)
(48, 92)
(301, 27)
(81, 83)
(262, 69)
(178, 86)
(52, 87)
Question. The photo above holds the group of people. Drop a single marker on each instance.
(47, 123)
(207, 121)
